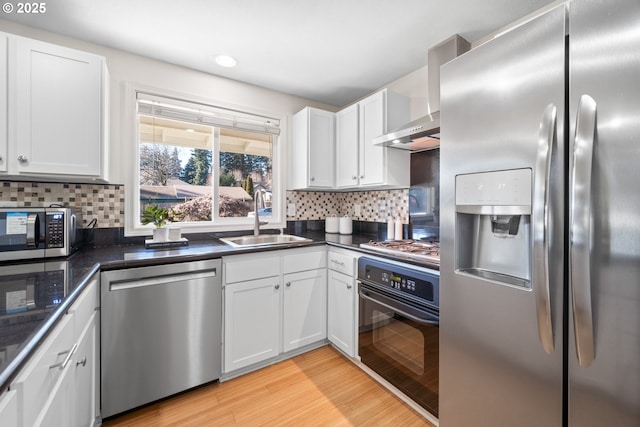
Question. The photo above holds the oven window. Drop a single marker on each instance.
(401, 350)
(400, 341)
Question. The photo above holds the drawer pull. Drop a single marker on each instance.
(335, 261)
(64, 363)
(82, 361)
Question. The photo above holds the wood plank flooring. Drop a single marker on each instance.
(318, 388)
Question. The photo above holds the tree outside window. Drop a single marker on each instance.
(177, 169)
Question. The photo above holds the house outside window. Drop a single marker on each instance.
(203, 163)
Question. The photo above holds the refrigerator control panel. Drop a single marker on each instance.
(496, 188)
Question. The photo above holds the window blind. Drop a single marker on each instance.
(176, 109)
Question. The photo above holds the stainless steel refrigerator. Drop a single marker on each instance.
(540, 223)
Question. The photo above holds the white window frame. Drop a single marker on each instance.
(133, 227)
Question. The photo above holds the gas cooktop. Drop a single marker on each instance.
(420, 250)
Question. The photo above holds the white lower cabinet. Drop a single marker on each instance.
(304, 308)
(252, 316)
(342, 300)
(9, 408)
(58, 386)
(86, 364)
(274, 302)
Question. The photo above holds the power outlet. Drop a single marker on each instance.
(356, 210)
(291, 209)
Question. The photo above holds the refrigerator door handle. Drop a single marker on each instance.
(580, 228)
(541, 229)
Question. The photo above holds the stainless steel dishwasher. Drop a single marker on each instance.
(161, 332)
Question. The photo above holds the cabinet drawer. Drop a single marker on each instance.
(342, 263)
(241, 268)
(36, 382)
(304, 259)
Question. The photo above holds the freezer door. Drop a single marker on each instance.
(604, 343)
(503, 108)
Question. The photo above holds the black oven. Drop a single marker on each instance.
(398, 334)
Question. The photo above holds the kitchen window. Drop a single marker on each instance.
(203, 163)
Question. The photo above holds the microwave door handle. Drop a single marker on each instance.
(580, 230)
(72, 232)
(400, 312)
(541, 229)
(33, 230)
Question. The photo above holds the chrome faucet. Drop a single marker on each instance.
(256, 222)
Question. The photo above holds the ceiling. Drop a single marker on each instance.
(330, 51)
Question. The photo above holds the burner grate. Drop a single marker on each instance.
(416, 249)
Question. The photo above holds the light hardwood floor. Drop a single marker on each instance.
(318, 388)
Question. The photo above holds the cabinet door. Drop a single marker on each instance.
(321, 148)
(372, 124)
(59, 407)
(347, 146)
(38, 380)
(58, 109)
(251, 322)
(341, 312)
(86, 374)
(305, 308)
(4, 82)
(9, 408)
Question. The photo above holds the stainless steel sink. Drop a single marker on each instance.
(263, 240)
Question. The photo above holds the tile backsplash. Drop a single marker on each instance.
(104, 202)
(375, 206)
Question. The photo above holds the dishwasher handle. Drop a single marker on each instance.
(132, 283)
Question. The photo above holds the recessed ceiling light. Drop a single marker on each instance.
(225, 61)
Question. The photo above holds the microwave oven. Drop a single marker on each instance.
(29, 233)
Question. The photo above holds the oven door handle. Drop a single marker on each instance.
(420, 320)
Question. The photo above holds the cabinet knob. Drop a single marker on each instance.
(1, 158)
(313, 178)
(288, 284)
(82, 361)
(348, 286)
(361, 176)
(277, 286)
(22, 158)
(354, 177)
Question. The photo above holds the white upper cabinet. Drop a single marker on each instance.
(380, 113)
(359, 162)
(347, 146)
(56, 110)
(312, 149)
(4, 83)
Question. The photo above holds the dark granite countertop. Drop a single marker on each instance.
(23, 329)
(33, 298)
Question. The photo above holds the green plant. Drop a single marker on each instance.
(155, 215)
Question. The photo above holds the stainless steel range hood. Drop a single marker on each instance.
(424, 133)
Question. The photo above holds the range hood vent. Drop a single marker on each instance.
(424, 133)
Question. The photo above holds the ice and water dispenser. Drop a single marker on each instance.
(493, 226)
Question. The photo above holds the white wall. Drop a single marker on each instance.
(125, 67)
(414, 86)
